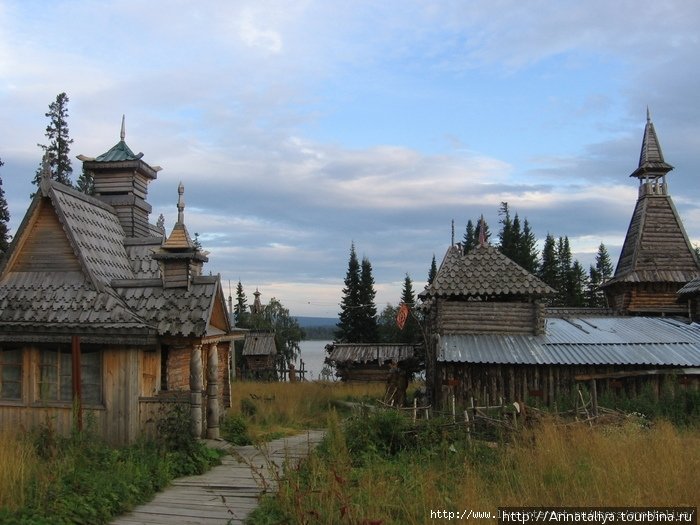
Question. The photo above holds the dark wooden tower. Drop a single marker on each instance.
(657, 258)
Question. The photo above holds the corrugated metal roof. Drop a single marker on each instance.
(365, 353)
(583, 341)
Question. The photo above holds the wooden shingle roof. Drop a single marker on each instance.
(656, 248)
(70, 271)
(484, 271)
(259, 343)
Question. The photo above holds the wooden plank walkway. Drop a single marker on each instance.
(227, 493)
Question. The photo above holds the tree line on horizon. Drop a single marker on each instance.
(360, 323)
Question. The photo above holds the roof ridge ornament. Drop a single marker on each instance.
(180, 203)
(45, 182)
(122, 134)
(482, 234)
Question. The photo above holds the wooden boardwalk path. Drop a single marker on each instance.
(227, 493)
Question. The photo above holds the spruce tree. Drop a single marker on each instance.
(564, 275)
(594, 296)
(432, 272)
(549, 268)
(469, 240)
(506, 244)
(348, 329)
(527, 249)
(86, 183)
(58, 148)
(602, 263)
(5, 219)
(578, 284)
(368, 309)
(240, 310)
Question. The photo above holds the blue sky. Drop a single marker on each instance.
(298, 128)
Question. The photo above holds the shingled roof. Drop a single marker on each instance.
(484, 271)
(656, 247)
(70, 270)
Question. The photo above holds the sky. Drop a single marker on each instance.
(300, 128)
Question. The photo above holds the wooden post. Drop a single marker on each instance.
(415, 410)
(466, 421)
(454, 415)
(213, 392)
(594, 398)
(77, 381)
(196, 390)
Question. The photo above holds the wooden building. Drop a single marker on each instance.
(657, 258)
(98, 304)
(491, 337)
(260, 355)
(372, 362)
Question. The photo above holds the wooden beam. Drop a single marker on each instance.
(77, 381)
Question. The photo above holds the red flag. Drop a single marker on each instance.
(402, 316)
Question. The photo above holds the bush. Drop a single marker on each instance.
(234, 429)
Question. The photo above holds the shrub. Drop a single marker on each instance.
(234, 429)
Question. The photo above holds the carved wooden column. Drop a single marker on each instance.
(196, 381)
(213, 392)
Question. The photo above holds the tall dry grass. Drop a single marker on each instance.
(18, 462)
(551, 465)
(286, 408)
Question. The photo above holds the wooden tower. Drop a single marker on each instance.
(657, 258)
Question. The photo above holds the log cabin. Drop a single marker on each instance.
(491, 338)
(259, 354)
(105, 316)
(372, 362)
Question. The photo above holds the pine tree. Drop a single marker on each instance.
(411, 331)
(5, 219)
(387, 330)
(549, 269)
(86, 182)
(594, 296)
(597, 275)
(507, 242)
(527, 249)
(578, 284)
(240, 310)
(469, 239)
(602, 263)
(565, 282)
(433, 271)
(368, 309)
(348, 329)
(59, 142)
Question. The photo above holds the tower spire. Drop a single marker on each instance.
(122, 134)
(652, 165)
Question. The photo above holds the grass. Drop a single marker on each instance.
(378, 469)
(19, 464)
(272, 410)
(50, 479)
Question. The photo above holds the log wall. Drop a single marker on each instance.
(477, 317)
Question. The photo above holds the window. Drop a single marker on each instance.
(10, 373)
(56, 375)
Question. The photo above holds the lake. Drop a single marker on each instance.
(313, 353)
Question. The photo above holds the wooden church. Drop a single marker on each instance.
(100, 307)
(490, 336)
